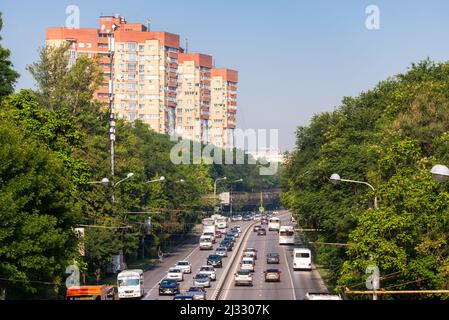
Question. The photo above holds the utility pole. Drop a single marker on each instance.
(111, 45)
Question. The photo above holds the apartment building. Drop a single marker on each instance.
(144, 68)
(194, 96)
(155, 81)
(223, 110)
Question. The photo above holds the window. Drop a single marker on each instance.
(81, 45)
(131, 86)
(132, 57)
(141, 48)
(141, 68)
(131, 76)
(89, 45)
(132, 46)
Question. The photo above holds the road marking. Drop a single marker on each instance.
(290, 274)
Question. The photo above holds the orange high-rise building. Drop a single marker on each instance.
(154, 81)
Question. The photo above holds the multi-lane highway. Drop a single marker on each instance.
(293, 286)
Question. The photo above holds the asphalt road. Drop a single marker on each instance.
(293, 286)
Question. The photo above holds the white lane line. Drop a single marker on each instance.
(157, 284)
(290, 275)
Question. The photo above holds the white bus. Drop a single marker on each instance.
(287, 235)
(130, 284)
(302, 259)
(274, 224)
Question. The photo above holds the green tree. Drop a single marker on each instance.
(8, 76)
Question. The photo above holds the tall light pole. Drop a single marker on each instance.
(215, 186)
(335, 179)
(230, 197)
(115, 185)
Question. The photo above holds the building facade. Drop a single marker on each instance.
(154, 81)
(223, 111)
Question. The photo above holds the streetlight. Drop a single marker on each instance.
(129, 176)
(105, 182)
(230, 197)
(335, 179)
(215, 185)
(161, 179)
(440, 173)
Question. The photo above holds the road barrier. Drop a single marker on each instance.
(236, 253)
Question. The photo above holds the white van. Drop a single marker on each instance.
(274, 224)
(206, 243)
(130, 284)
(302, 259)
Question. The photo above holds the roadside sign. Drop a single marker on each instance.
(261, 209)
(225, 198)
(217, 209)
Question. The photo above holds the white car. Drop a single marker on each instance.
(184, 266)
(206, 243)
(252, 252)
(176, 274)
(247, 264)
(210, 271)
(249, 255)
(243, 277)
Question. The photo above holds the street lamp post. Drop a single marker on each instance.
(114, 185)
(230, 197)
(335, 179)
(215, 185)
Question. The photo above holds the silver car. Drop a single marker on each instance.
(210, 271)
(222, 252)
(198, 293)
(202, 280)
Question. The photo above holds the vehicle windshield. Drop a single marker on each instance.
(303, 255)
(168, 282)
(183, 263)
(128, 282)
(286, 233)
(243, 273)
(201, 276)
(174, 271)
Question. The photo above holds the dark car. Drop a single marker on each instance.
(272, 275)
(262, 232)
(264, 221)
(168, 287)
(257, 228)
(227, 245)
(215, 261)
(273, 258)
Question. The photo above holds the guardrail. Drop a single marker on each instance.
(235, 254)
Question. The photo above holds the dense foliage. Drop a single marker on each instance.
(390, 137)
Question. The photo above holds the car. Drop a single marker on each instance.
(201, 280)
(247, 264)
(275, 212)
(184, 266)
(238, 228)
(272, 275)
(218, 234)
(222, 252)
(184, 297)
(227, 245)
(237, 218)
(243, 277)
(206, 243)
(235, 233)
(273, 258)
(198, 293)
(247, 218)
(249, 255)
(262, 232)
(264, 221)
(168, 287)
(176, 274)
(215, 261)
(254, 251)
(257, 228)
(210, 271)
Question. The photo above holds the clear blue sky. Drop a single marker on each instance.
(296, 58)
